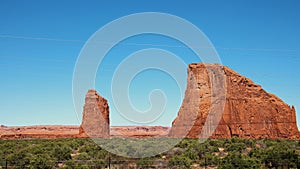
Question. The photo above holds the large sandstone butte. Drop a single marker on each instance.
(238, 107)
(95, 120)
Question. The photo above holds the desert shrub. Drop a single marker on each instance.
(191, 154)
(256, 153)
(180, 162)
(184, 143)
(19, 159)
(144, 163)
(249, 143)
(37, 153)
(270, 142)
(213, 149)
(82, 157)
(71, 164)
(280, 155)
(210, 160)
(236, 140)
(237, 160)
(216, 142)
(42, 162)
(62, 153)
(238, 146)
(93, 164)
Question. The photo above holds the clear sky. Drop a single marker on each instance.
(41, 40)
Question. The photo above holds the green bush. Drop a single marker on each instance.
(210, 160)
(238, 146)
(217, 142)
(144, 163)
(62, 153)
(191, 154)
(19, 159)
(71, 164)
(82, 157)
(180, 162)
(42, 162)
(237, 160)
(55, 153)
(281, 155)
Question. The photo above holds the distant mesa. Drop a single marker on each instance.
(248, 112)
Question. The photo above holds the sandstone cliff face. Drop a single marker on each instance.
(243, 110)
(95, 120)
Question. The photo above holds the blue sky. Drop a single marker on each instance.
(41, 40)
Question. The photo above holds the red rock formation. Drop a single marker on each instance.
(139, 131)
(95, 120)
(243, 110)
(217, 100)
(53, 132)
(48, 132)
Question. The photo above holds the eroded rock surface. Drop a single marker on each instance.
(244, 110)
(95, 120)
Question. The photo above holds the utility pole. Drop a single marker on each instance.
(109, 161)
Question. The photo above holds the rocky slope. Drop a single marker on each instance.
(221, 103)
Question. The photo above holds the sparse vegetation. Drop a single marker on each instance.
(189, 153)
